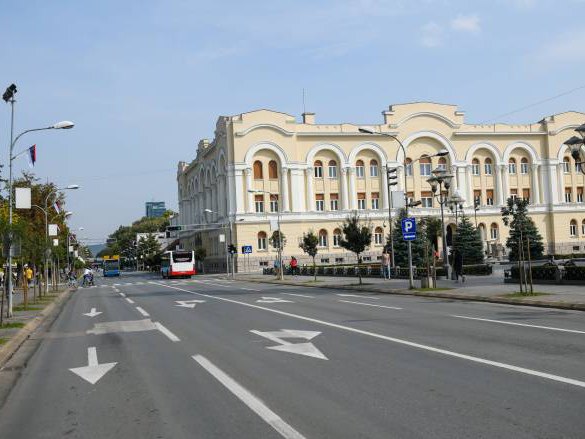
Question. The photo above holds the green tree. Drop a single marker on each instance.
(149, 249)
(276, 242)
(357, 236)
(401, 246)
(467, 241)
(309, 245)
(515, 215)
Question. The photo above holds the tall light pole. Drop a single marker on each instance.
(47, 247)
(441, 179)
(270, 194)
(455, 203)
(64, 125)
(390, 180)
(577, 145)
(366, 130)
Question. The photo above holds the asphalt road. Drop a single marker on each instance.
(210, 358)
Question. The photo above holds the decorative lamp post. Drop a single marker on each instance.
(440, 180)
(577, 146)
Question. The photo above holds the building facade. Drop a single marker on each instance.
(264, 166)
(155, 209)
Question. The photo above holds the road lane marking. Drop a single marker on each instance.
(273, 300)
(300, 295)
(249, 289)
(92, 313)
(122, 294)
(141, 311)
(520, 324)
(445, 352)
(307, 348)
(361, 296)
(248, 398)
(166, 332)
(370, 304)
(93, 371)
(129, 300)
(188, 303)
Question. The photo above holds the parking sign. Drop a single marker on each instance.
(409, 229)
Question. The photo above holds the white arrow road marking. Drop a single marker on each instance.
(273, 300)
(244, 395)
(93, 371)
(358, 295)
(92, 313)
(188, 303)
(370, 304)
(279, 337)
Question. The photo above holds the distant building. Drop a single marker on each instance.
(155, 209)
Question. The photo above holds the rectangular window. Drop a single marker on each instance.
(336, 240)
(512, 168)
(361, 202)
(524, 168)
(324, 260)
(426, 199)
(408, 169)
(488, 169)
(375, 200)
(378, 238)
(579, 195)
(425, 169)
(359, 171)
(332, 171)
(514, 194)
(261, 243)
(573, 230)
(489, 197)
(526, 194)
(338, 260)
(373, 170)
(494, 233)
(334, 201)
(578, 168)
(475, 169)
(263, 263)
(567, 195)
(442, 166)
(566, 167)
(259, 203)
(477, 198)
(318, 171)
(274, 203)
(367, 258)
(319, 202)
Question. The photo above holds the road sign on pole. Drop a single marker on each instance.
(408, 229)
(246, 249)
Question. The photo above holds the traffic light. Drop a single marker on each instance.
(232, 249)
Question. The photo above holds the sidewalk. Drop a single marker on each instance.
(480, 288)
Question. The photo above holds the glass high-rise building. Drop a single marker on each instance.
(155, 209)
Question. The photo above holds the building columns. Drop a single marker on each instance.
(561, 183)
(310, 196)
(250, 195)
(469, 195)
(297, 203)
(352, 190)
(534, 182)
(284, 189)
(503, 169)
(499, 186)
(344, 191)
(384, 182)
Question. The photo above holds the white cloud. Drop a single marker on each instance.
(564, 50)
(431, 35)
(466, 23)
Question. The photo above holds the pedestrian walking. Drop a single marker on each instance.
(276, 267)
(386, 264)
(459, 266)
(294, 265)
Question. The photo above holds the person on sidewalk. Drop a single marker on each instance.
(459, 266)
(294, 265)
(386, 264)
(28, 275)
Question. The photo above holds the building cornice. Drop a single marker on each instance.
(499, 133)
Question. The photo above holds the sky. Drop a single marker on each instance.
(145, 80)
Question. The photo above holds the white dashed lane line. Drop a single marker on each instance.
(370, 304)
(550, 328)
(141, 311)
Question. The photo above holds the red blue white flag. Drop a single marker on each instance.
(32, 155)
(57, 206)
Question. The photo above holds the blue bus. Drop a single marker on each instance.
(112, 265)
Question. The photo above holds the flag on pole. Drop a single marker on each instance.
(57, 206)
(32, 155)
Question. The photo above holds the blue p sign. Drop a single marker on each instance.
(408, 229)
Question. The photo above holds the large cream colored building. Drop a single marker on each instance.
(319, 173)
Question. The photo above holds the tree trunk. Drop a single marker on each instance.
(314, 269)
(359, 269)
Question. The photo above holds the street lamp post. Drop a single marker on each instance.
(441, 153)
(577, 145)
(441, 179)
(455, 205)
(59, 125)
(391, 181)
(281, 268)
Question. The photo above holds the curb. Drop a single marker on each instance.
(405, 292)
(50, 311)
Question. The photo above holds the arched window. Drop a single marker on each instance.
(567, 165)
(322, 238)
(425, 166)
(337, 237)
(475, 167)
(583, 227)
(262, 241)
(442, 164)
(408, 168)
(512, 166)
(488, 166)
(332, 169)
(318, 165)
(378, 236)
(258, 175)
(373, 168)
(494, 231)
(272, 169)
(573, 229)
(524, 165)
(359, 169)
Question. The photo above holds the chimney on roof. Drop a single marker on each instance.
(309, 118)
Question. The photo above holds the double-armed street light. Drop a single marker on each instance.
(577, 146)
(407, 204)
(442, 179)
(455, 203)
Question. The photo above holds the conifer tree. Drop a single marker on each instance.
(467, 241)
(401, 246)
(357, 236)
(515, 215)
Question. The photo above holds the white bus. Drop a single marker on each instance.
(177, 263)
